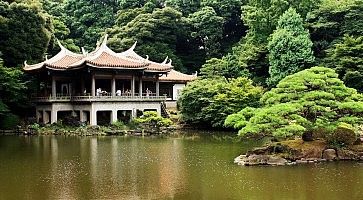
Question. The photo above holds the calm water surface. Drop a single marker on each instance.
(54, 167)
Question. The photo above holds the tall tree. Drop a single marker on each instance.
(12, 88)
(250, 53)
(24, 33)
(59, 29)
(207, 27)
(157, 34)
(348, 59)
(289, 48)
(262, 16)
(233, 28)
(88, 20)
(330, 22)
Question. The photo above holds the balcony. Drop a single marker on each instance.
(146, 97)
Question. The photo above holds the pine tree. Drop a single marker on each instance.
(289, 47)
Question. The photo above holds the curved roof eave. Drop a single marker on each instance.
(113, 67)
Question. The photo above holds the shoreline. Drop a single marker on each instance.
(91, 131)
(294, 152)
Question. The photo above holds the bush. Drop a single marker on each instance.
(343, 135)
(208, 102)
(35, 126)
(9, 121)
(152, 118)
(118, 125)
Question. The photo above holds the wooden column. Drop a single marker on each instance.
(93, 117)
(157, 87)
(45, 117)
(113, 116)
(93, 88)
(54, 87)
(133, 85)
(113, 86)
(82, 86)
(54, 117)
(140, 86)
(38, 114)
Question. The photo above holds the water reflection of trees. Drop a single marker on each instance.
(133, 168)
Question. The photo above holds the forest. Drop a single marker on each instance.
(256, 58)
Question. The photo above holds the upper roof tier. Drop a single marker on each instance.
(103, 58)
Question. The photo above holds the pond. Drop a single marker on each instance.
(180, 167)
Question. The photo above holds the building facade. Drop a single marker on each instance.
(101, 86)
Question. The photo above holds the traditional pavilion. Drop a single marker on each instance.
(103, 86)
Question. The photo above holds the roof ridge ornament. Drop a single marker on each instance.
(166, 59)
(133, 46)
(25, 63)
(147, 57)
(84, 52)
(104, 42)
(60, 45)
(170, 62)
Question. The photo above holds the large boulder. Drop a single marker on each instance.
(276, 160)
(254, 159)
(329, 154)
(346, 154)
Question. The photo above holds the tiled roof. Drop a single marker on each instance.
(176, 76)
(65, 61)
(102, 57)
(108, 60)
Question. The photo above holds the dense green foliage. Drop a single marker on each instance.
(11, 95)
(24, 33)
(208, 102)
(238, 46)
(312, 100)
(155, 32)
(289, 47)
(331, 21)
(87, 20)
(348, 58)
(153, 119)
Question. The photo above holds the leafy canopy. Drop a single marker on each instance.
(156, 33)
(88, 20)
(348, 58)
(24, 33)
(330, 22)
(11, 88)
(207, 102)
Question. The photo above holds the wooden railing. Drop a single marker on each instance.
(108, 97)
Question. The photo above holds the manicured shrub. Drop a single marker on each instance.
(310, 103)
(152, 118)
(343, 135)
